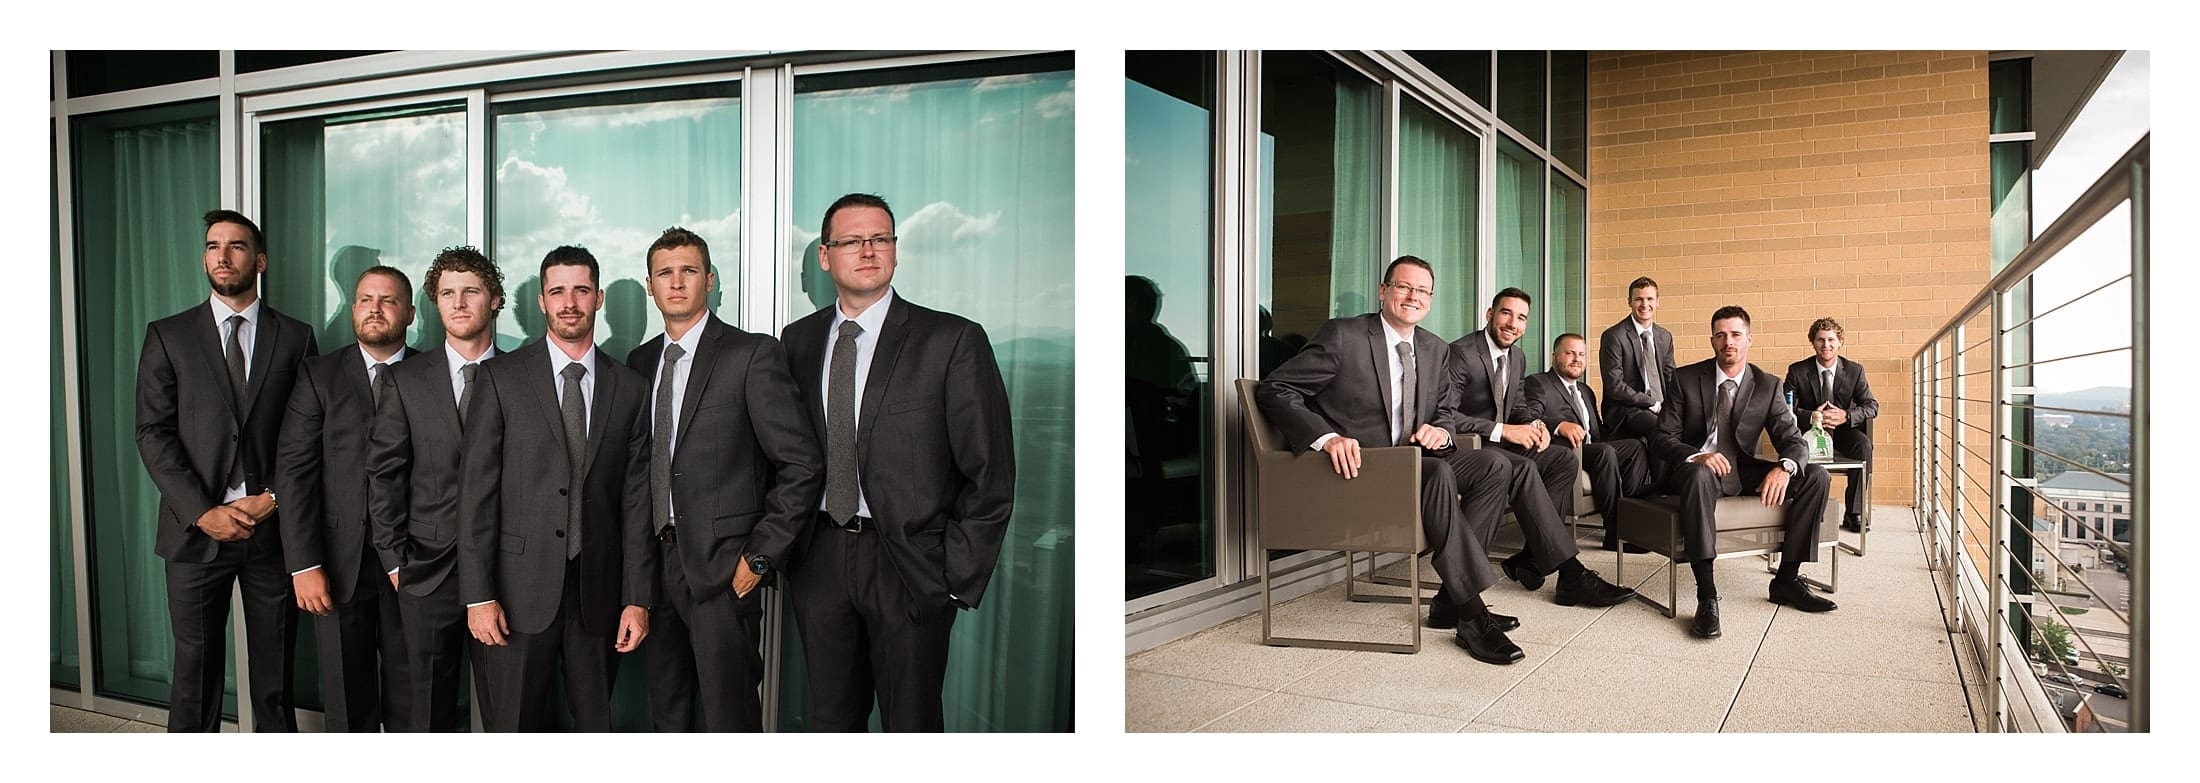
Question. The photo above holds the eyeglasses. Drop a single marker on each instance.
(881, 242)
(1408, 288)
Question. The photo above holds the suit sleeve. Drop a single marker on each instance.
(1786, 434)
(481, 465)
(1463, 421)
(389, 485)
(1283, 394)
(640, 542)
(1612, 362)
(1863, 406)
(160, 439)
(1672, 425)
(1533, 406)
(984, 450)
(297, 474)
(782, 429)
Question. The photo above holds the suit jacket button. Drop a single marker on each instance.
(561, 490)
(558, 533)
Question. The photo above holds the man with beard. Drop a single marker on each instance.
(1617, 467)
(1381, 379)
(734, 480)
(551, 548)
(1835, 387)
(1718, 409)
(413, 461)
(211, 386)
(1487, 368)
(322, 472)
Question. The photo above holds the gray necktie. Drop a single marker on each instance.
(1497, 387)
(840, 427)
(381, 382)
(1826, 393)
(1650, 370)
(466, 392)
(1731, 483)
(1581, 411)
(575, 410)
(1409, 388)
(660, 462)
(233, 354)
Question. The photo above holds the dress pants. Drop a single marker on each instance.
(520, 672)
(1544, 484)
(703, 652)
(366, 681)
(1462, 494)
(1632, 423)
(864, 634)
(1799, 513)
(1853, 442)
(435, 638)
(198, 615)
(1617, 469)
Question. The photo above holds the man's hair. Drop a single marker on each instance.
(1561, 340)
(569, 255)
(1730, 311)
(1639, 284)
(465, 258)
(1512, 293)
(1823, 324)
(404, 284)
(259, 240)
(678, 237)
(1412, 261)
(825, 229)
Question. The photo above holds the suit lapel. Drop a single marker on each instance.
(532, 361)
(883, 355)
(1478, 349)
(806, 347)
(1378, 344)
(352, 373)
(1589, 408)
(1428, 374)
(706, 357)
(269, 330)
(599, 414)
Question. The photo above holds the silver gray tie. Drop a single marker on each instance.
(574, 408)
(840, 427)
(233, 354)
(660, 457)
(1722, 416)
(1409, 390)
(381, 383)
(466, 393)
(1650, 375)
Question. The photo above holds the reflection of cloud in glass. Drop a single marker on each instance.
(2112, 120)
(397, 184)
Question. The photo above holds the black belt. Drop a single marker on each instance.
(857, 524)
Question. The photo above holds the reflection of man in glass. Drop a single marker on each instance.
(344, 268)
(1151, 354)
(920, 476)
(1273, 350)
(1159, 398)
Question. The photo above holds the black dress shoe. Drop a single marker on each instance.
(1706, 624)
(1852, 525)
(1442, 615)
(1588, 589)
(1521, 568)
(1503, 622)
(1614, 546)
(1793, 592)
(1482, 640)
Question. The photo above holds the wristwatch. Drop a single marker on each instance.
(759, 565)
(271, 499)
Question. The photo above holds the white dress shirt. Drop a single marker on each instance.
(558, 361)
(1498, 377)
(872, 320)
(455, 366)
(1581, 408)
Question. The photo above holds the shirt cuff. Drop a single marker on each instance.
(1321, 441)
(305, 569)
(1497, 433)
(1789, 466)
(481, 603)
(393, 571)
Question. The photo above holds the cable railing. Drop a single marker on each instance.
(2046, 618)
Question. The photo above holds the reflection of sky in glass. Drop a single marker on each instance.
(1165, 206)
(611, 178)
(397, 186)
(2112, 120)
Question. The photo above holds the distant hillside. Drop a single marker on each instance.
(2093, 399)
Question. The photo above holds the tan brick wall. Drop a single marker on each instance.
(1797, 185)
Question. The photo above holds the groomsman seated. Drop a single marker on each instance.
(1617, 467)
(1835, 387)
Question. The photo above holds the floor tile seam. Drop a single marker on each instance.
(1240, 708)
(1958, 681)
(1212, 681)
(1748, 668)
(1510, 688)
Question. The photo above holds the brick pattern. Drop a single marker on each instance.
(1797, 185)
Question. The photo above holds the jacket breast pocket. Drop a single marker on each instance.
(905, 406)
(514, 544)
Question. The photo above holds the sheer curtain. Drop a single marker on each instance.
(142, 181)
(1568, 308)
(1352, 222)
(1437, 191)
(979, 172)
(1520, 241)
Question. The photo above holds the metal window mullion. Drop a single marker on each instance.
(238, 187)
(1237, 256)
(1486, 207)
(1388, 171)
(71, 378)
(478, 176)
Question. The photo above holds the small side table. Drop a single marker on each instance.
(1852, 471)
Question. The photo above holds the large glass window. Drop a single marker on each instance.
(1467, 70)
(142, 179)
(1438, 189)
(1319, 230)
(1568, 308)
(1570, 109)
(1521, 79)
(1520, 241)
(610, 173)
(977, 161)
(1168, 101)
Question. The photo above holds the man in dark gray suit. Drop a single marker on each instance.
(322, 471)
(1637, 357)
(552, 548)
(1381, 379)
(412, 494)
(920, 477)
(1617, 467)
(1835, 387)
(735, 473)
(1718, 409)
(211, 386)
(1487, 371)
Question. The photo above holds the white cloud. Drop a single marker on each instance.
(1058, 104)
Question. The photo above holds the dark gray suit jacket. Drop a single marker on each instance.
(512, 499)
(321, 475)
(414, 473)
(190, 425)
(1340, 382)
(934, 451)
(1851, 392)
(1545, 400)
(747, 471)
(1619, 354)
(1761, 410)
(1470, 379)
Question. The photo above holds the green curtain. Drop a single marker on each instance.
(1568, 308)
(1520, 241)
(1353, 228)
(142, 179)
(62, 588)
(2012, 195)
(1437, 191)
(979, 171)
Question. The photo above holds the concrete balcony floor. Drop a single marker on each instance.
(1882, 662)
